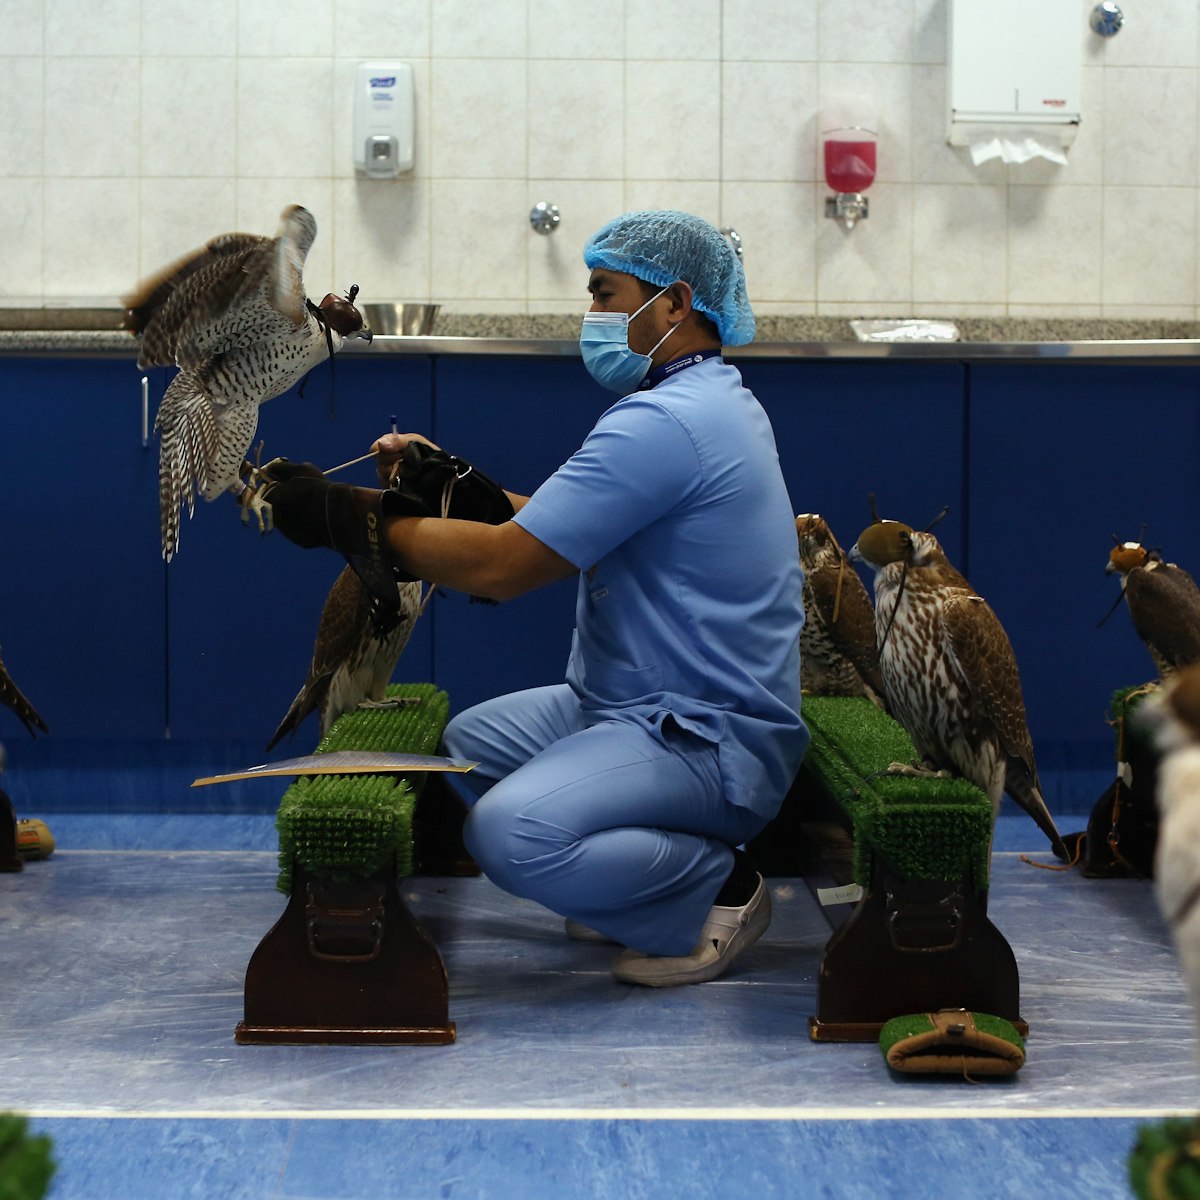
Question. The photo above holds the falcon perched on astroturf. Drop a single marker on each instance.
(234, 318)
(1172, 717)
(1164, 603)
(355, 653)
(949, 670)
(10, 695)
(837, 644)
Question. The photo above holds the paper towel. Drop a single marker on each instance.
(1016, 147)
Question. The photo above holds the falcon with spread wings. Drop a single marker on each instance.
(234, 317)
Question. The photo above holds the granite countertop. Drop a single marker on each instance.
(82, 332)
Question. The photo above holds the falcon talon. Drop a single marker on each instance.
(918, 771)
(251, 500)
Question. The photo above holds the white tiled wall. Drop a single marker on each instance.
(133, 130)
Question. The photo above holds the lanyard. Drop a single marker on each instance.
(655, 377)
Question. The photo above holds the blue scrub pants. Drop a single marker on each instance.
(618, 824)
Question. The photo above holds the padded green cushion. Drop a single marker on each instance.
(923, 828)
(351, 826)
(912, 1024)
(413, 729)
(952, 1042)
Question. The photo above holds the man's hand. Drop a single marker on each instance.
(444, 485)
(390, 449)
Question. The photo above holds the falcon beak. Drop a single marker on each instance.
(366, 334)
(854, 554)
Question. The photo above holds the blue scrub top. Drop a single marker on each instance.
(676, 512)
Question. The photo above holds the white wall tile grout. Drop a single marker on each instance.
(1117, 230)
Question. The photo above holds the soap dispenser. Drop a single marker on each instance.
(848, 142)
(383, 119)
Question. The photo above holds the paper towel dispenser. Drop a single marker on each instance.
(1015, 66)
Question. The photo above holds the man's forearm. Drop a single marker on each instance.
(495, 561)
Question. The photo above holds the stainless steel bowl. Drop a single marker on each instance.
(410, 320)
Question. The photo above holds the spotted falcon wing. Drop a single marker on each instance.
(194, 309)
(167, 309)
(848, 618)
(985, 656)
(1164, 604)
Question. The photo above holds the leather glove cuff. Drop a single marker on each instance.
(444, 485)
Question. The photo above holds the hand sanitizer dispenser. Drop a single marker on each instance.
(383, 119)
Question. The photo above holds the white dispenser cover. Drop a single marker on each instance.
(1015, 66)
(383, 119)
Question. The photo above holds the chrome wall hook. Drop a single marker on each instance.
(544, 217)
(1107, 18)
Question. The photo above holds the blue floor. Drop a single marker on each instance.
(122, 960)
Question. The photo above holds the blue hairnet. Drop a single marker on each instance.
(664, 247)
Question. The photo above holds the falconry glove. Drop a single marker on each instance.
(444, 485)
(311, 511)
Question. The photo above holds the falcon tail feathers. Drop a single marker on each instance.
(1028, 795)
(308, 700)
(188, 441)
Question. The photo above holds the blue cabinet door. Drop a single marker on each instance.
(845, 430)
(519, 419)
(82, 583)
(243, 608)
(1062, 458)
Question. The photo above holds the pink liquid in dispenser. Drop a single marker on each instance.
(849, 166)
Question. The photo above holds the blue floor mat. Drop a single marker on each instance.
(123, 967)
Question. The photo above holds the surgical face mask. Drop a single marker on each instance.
(604, 342)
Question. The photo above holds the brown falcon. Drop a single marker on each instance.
(1164, 604)
(233, 316)
(11, 696)
(837, 644)
(355, 653)
(949, 670)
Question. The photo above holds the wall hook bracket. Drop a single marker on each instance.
(544, 217)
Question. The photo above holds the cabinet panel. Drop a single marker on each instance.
(519, 419)
(243, 608)
(1062, 457)
(845, 430)
(82, 586)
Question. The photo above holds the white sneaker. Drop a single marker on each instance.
(579, 932)
(726, 933)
